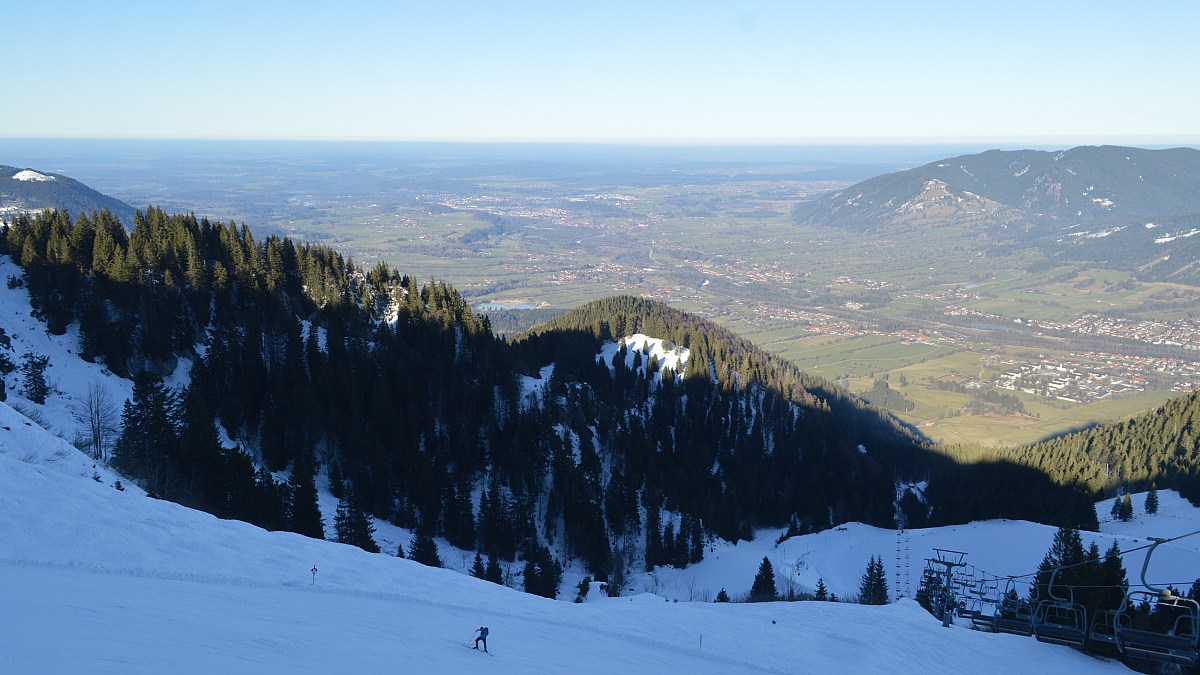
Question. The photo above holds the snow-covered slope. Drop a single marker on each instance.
(68, 375)
(997, 548)
(96, 579)
(100, 580)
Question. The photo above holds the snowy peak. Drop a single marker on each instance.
(29, 174)
(25, 190)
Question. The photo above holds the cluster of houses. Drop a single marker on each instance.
(1180, 332)
(1067, 381)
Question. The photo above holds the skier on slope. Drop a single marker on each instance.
(481, 634)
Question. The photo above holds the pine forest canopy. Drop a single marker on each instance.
(416, 412)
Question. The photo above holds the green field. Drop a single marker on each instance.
(925, 302)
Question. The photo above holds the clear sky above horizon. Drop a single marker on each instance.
(1014, 71)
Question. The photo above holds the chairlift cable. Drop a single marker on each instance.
(1085, 562)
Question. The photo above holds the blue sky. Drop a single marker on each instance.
(1013, 71)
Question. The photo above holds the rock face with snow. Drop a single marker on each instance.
(1019, 189)
(33, 190)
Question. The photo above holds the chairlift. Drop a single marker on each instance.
(986, 595)
(981, 620)
(1060, 620)
(1104, 626)
(1178, 644)
(1013, 615)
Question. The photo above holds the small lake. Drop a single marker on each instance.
(497, 307)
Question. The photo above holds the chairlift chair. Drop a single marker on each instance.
(1179, 644)
(981, 620)
(1013, 615)
(1060, 620)
(1104, 626)
(982, 595)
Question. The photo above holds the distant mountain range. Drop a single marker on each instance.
(31, 190)
(1035, 191)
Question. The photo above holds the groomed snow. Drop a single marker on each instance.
(29, 175)
(102, 581)
(98, 580)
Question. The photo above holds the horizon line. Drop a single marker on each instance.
(1040, 140)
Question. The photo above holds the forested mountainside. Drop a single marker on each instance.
(1159, 447)
(29, 190)
(405, 401)
(1020, 189)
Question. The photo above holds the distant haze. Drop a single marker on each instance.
(1032, 73)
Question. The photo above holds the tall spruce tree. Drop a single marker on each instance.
(306, 515)
(148, 432)
(873, 589)
(1126, 508)
(1152, 500)
(425, 550)
(763, 588)
(353, 525)
(543, 574)
(494, 573)
(33, 377)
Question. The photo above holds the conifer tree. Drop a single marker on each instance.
(1126, 508)
(148, 430)
(353, 526)
(653, 536)
(1152, 500)
(543, 574)
(1112, 578)
(494, 573)
(722, 596)
(424, 550)
(306, 515)
(763, 588)
(477, 569)
(822, 593)
(33, 377)
(873, 590)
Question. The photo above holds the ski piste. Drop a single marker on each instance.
(477, 650)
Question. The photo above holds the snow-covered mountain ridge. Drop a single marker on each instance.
(29, 190)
